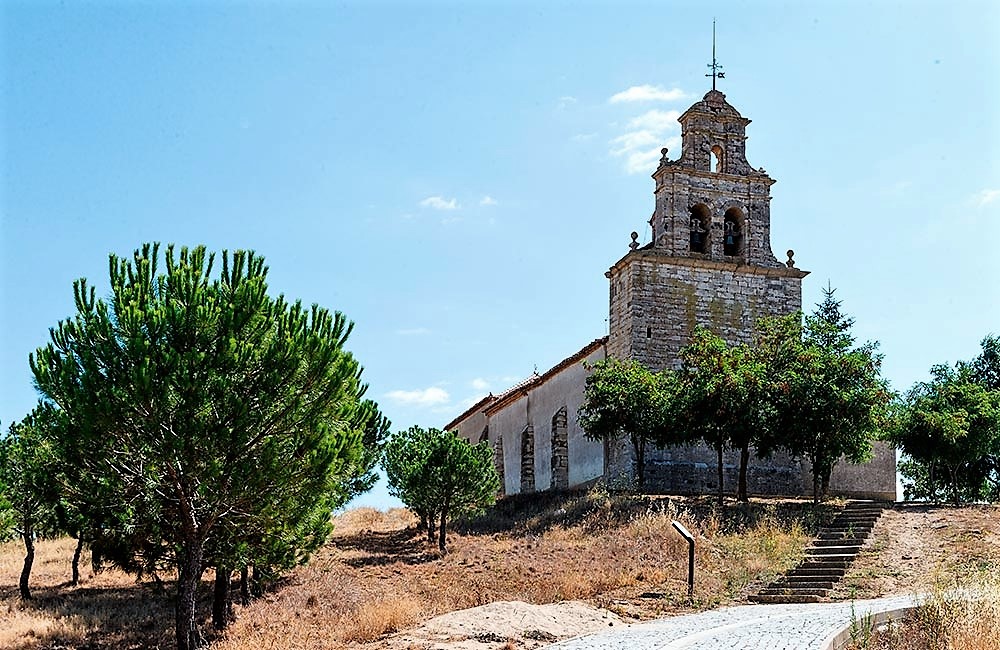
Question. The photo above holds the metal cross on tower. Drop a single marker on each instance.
(716, 72)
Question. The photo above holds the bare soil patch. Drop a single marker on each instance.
(915, 548)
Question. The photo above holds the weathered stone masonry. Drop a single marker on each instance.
(657, 301)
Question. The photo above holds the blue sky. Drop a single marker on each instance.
(457, 176)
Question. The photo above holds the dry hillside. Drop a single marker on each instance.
(611, 557)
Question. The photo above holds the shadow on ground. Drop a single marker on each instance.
(102, 618)
(531, 514)
(381, 548)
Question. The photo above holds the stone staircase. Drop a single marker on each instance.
(827, 558)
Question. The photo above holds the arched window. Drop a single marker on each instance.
(716, 162)
(699, 228)
(732, 232)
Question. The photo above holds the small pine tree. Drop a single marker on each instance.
(440, 476)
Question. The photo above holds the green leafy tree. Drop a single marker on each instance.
(986, 366)
(830, 398)
(28, 489)
(440, 476)
(624, 399)
(725, 390)
(206, 402)
(949, 427)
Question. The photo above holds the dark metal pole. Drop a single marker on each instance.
(679, 527)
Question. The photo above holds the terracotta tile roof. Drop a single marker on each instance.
(478, 406)
(520, 389)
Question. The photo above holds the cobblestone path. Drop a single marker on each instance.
(749, 627)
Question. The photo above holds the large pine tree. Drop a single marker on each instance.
(227, 418)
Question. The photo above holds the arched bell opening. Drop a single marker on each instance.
(732, 232)
(716, 162)
(700, 224)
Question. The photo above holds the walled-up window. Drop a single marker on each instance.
(732, 232)
(528, 459)
(560, 451)
(699, 228)
(716, 162)
(498, 462)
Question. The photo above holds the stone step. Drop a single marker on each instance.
(793, 591)
(830, 563)
(787, 598)
(859, 531)
(818, 573)
(840, 541)
(798, 583)
(844, 535)
(833, 550)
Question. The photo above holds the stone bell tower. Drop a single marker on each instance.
(710, 261)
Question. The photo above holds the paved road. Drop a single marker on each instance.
(770, 627)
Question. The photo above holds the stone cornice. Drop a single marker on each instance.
(748, 269)
(675, 166)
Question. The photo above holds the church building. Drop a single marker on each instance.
(709, 263)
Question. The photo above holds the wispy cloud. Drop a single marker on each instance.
(480, 384)
(440, 203)
(648, 133)
(433, 396)
(647, 93)
(985, 197)
(413, 331)
(566, 101)
(657, 121)
(488, 200)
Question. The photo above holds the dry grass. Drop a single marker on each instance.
(378, 575)
(107, 610)
(956, 614)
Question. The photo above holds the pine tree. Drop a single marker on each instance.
(440, 476)
(834, 400)
(227, 417)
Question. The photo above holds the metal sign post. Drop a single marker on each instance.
(690, 540)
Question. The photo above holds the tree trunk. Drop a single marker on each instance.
(221, 601)
(431, 529)
(824, 486)
(639, 444)
(441, 530)
(256, 584)
(245, 585)
(815, 483)
(29, 559)
(742, 493)
(76, 560)
(186, 625)
(718, 448)
(96, 560)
